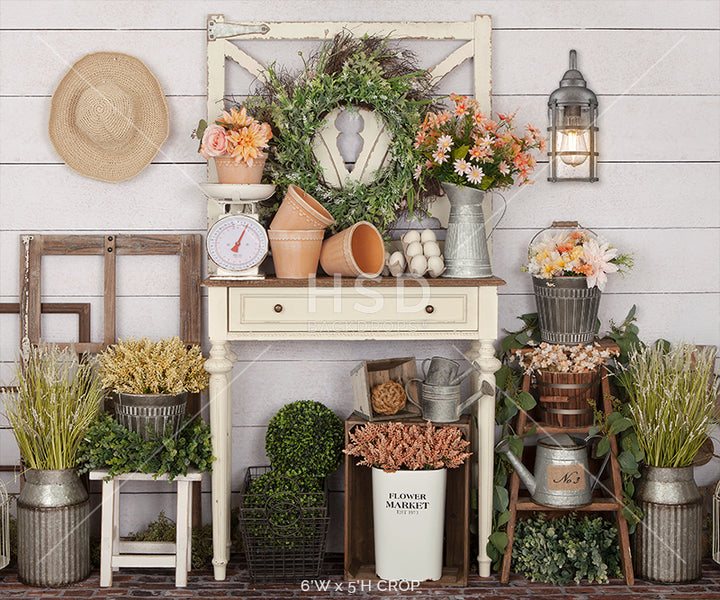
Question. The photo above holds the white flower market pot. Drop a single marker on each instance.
(408, 521)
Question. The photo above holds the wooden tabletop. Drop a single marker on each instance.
(271, 281)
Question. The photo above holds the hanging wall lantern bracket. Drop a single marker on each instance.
(572, 129)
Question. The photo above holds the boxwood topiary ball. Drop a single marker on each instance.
(305, 437)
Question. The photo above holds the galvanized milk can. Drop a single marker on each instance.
(562, 478)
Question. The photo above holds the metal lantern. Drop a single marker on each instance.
(4, 526)
(572, 133)
(716, 524)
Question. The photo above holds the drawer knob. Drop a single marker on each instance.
(429, 309)
(278, 308)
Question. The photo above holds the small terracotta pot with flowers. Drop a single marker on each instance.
(235, 142)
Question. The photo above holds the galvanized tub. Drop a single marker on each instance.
(53, 512)
(146, 413)
(567, 309)
(668, 541)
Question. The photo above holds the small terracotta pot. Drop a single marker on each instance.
(300, 211)
(357, 250)
(229, 171)
(296, 253)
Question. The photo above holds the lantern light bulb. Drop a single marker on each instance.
(573, 141)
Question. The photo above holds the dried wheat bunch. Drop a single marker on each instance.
(142, 366)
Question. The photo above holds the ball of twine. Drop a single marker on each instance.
(388, 398)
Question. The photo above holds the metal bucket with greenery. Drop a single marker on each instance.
(672, 399)
(57, 400)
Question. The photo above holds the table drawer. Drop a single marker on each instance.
(350, 309)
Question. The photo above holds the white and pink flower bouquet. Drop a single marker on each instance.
(236, 134)
(465, 147)
(575, 252)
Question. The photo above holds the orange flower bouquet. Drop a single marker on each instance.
(466, 147)
(236, 134)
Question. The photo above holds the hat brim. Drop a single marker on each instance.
(149, 120)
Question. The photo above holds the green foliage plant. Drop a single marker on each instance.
(283, 511)
(163, 529)
(566, 549)
(110, 446)
(142, 366)
(671, 401)
(57, 399)
(349, 72)
(305, 438)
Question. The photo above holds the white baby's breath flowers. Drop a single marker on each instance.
(559, 358)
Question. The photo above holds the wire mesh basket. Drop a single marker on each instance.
(4, 526)
(284, 526)
(716, 524)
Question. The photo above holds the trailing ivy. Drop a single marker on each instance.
(108, 445)
(566, 549)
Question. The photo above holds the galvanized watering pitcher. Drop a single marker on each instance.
(561, 479)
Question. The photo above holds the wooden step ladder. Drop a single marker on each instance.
(614, 503)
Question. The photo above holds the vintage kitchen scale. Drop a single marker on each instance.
(236, 241)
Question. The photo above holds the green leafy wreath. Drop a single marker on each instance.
(348, 72)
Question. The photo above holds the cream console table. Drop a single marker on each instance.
(348, 309)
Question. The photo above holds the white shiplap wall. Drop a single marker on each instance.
(655, 66)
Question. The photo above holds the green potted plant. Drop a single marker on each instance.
(409, 474)
(152, 381)
(305, 437)
(284, 513)
(672, 397)
(58, 398)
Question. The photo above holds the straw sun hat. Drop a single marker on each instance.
(108, 116)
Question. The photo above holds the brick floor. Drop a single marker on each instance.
(145, 583)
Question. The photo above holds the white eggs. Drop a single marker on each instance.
(418, 265)
(436, 266)
(411, 236)
(428, 235)
(414, 249)
(431, 249)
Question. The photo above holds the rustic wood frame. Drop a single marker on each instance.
(33, 247)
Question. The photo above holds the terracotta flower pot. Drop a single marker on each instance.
(296, 253)
(229, 171)
(300, 211)
(357, 250)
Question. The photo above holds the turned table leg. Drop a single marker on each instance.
(483, 353)
(219, 365)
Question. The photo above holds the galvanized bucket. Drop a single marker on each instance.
(146, 413)
(53, 512)
(567, 309)
(668, 541)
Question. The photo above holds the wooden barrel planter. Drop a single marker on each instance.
(564, 397)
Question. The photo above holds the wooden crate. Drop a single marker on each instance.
(359, 541)
(370, 373)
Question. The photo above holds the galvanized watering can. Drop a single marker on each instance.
(561, 479)
(440, 403)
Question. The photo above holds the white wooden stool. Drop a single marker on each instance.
(115, 553)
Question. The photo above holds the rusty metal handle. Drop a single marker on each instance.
(565, 224)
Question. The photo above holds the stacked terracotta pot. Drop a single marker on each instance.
(296, 234)
(296, 237)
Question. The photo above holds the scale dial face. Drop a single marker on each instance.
(237, 242)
